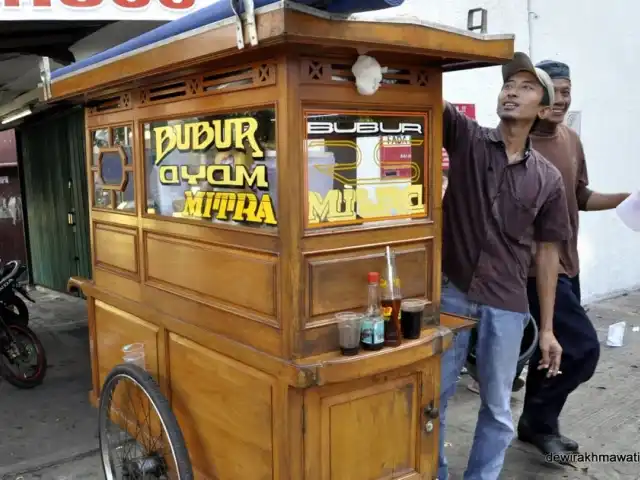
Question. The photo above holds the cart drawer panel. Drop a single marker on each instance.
(225, 411)
(116, 248)
(223, 275)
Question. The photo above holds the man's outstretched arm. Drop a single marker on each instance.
(591, 201)
(457, 128)
(604, 201)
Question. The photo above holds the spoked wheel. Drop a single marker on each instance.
(139, 435)
(24, 362)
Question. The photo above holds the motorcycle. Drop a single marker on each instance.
(20, 347)
(12, 307)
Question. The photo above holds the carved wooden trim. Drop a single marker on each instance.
(210, 83)
(219, 81)
(332, 71)
(113, 103)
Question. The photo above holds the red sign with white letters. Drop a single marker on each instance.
(395, 157)
(98, 9)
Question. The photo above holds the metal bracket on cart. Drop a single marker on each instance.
(250, 21)
(45, 77)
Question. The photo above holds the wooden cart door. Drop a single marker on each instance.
(373, 429)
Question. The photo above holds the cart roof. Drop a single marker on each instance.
(455, 48)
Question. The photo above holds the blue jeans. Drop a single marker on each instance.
(497, 351)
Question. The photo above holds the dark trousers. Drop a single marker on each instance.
(545, 397)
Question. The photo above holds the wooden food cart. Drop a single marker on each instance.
(239, 198)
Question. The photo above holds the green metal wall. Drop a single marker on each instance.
(53, 162)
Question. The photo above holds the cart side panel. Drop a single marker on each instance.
(225, 409)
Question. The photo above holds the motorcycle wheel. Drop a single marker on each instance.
(31, 349)
(17, 311)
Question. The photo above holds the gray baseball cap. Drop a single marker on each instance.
(522, 63)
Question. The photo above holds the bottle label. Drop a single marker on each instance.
(366, 332)
(378, 332)
(386, 313)
(385, 284)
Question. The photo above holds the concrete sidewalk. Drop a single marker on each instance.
(50, 433)
(603, 415)
(54, 422)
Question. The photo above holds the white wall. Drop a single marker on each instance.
(600, 48)
(479, 86)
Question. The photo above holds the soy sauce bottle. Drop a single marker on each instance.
(391, 302)
(372, 334)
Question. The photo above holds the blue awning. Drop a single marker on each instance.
(220, 10)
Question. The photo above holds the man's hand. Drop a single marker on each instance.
(551, 354)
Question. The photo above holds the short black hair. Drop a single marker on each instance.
(546, 101)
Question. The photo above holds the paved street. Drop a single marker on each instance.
(54, 422)
(603, 415)
(50, 433)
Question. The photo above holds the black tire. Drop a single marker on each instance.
(147, 384)
(16, 312)
(41, 372)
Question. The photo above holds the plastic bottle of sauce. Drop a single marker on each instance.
(372, 335)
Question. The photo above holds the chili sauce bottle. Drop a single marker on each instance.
(372, 334)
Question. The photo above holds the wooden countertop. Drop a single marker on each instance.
(310, 371)
(334, 367)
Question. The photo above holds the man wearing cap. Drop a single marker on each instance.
(545, 397)
(502, 197)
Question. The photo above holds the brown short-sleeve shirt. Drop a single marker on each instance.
(494, 212)
(564, 150)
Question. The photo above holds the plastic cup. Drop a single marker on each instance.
(615, 335)
(349, 325)
(134, 353)
(411, 317)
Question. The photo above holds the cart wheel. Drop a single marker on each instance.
(139, 435)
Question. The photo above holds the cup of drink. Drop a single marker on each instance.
(134, 353)
(349, 324)
(411, 317)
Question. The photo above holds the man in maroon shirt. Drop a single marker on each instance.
(502, 197)
(545, 397)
